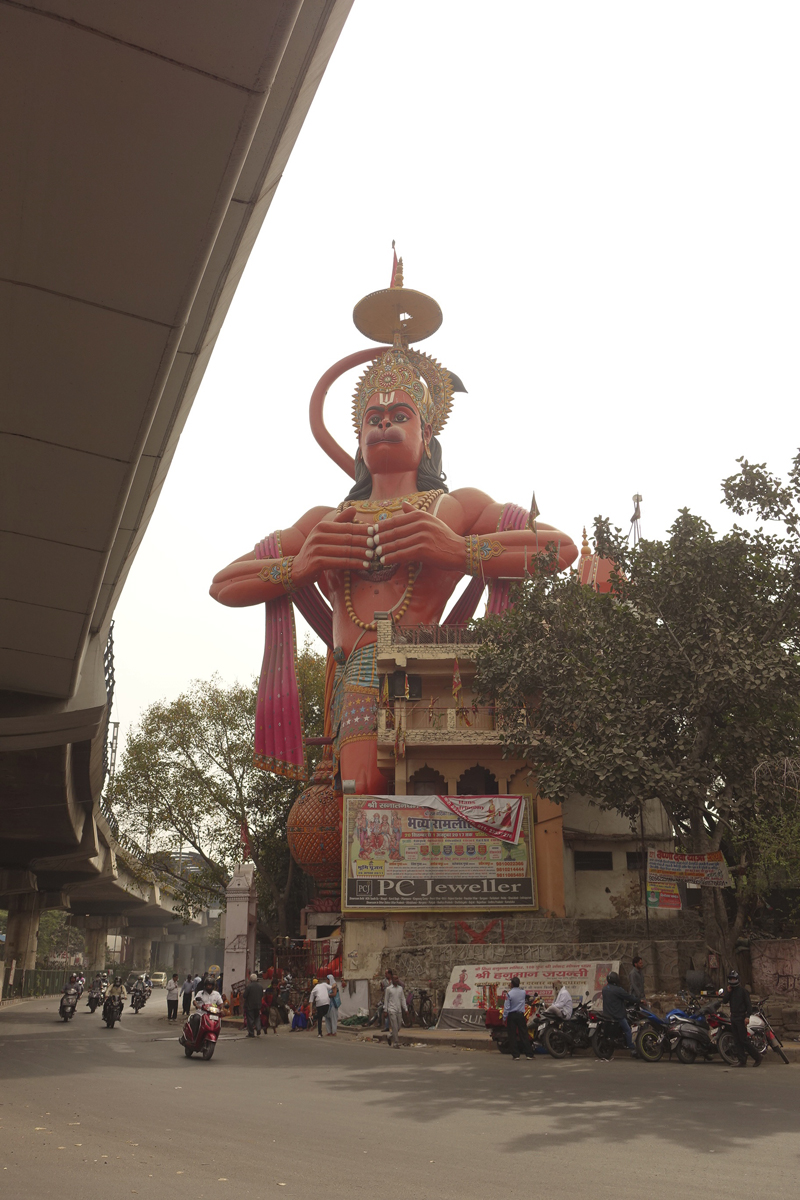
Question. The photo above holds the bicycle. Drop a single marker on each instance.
(424, 1015)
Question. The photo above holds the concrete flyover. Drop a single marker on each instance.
(141, 146)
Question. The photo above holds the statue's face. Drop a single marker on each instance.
(391, 434)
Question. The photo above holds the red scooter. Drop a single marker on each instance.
(207, 1033)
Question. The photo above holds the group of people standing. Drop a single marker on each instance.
(177, 992)
(615, 999)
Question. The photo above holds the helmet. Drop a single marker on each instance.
(613, 978)
(733, 977)
(117, 980)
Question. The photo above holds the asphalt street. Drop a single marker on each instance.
(121, 1112)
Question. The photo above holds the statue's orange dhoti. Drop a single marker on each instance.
(398, 544)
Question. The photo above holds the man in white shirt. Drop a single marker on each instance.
(394, 999)
(562, 1005)
(209, 995)
(173, 992)
(321, 1000)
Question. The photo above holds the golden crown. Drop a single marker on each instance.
(393, 315)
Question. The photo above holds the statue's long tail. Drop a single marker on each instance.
(316, 419)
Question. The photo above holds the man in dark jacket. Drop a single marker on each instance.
(253, 995)
(614, 1000)
(636, 978)
(739, 1000)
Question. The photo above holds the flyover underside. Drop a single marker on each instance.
(142, 145)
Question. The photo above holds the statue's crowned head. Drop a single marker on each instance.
(400, 383)
(422, 379)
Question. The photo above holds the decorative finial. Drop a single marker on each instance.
(398, 275)
(585, 549)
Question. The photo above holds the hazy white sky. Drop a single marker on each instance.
(604, 200)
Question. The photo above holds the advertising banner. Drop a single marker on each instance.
(667, 866)
(663, 895)
(473, 989)
(402, 854)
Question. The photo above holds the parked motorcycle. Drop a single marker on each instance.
(205, 1039)
(69, 1002)
(498, 1030)
(704, 1038)
(562, 1037)
(608, 1035)
(763, 1035)
(112, 1010)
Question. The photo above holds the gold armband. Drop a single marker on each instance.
(279, 572)
(479, 550)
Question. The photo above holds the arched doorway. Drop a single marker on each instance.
(477, 781)
(427, 782)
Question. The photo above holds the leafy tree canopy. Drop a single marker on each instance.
(682, 685)
(188, 799)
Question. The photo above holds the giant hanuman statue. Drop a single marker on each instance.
(398, 544)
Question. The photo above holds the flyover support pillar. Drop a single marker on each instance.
(141, 953)
(184, 955)
(22, 933)
(96, 942)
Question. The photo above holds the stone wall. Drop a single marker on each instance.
(776, 968)
(432, 946)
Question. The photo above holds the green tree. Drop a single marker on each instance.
(681, 686)
(187, 796)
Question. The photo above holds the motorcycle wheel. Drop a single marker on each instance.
(603, 1046)
(208, 1050)
(686, 1053)
(650, 1046)
(110, 1022)
(504, 1047)
(187, 1050)
(555, 1043)
(727, 1048)
(776, 1046)
(759, 1041)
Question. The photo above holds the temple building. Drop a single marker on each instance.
(435, 738)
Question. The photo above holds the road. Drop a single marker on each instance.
(122, 1112)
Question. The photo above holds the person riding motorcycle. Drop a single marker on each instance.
(614, 1000)
(208, 995)
(117, 989)
(139, 987)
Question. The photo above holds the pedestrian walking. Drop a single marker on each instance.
(514, 1013)
(173, 992)
(253, 995)
(332, 1015)
(395, 1001)
(321, 1000)
(738, 998)
(636, 978)
(187, 991)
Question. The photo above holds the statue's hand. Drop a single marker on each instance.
(414, 536)
(336, 544)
